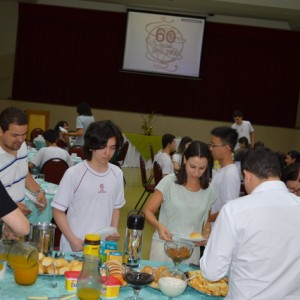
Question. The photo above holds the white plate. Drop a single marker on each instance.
(188, 239)
(62, 129)
(105, 231)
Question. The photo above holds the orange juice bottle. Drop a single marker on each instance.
(86, 293)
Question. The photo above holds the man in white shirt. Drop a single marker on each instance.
(163, 157)
(255, 240)
(51, 151)
(226, 180)
(244, 128)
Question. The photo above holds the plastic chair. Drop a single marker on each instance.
(157, 173)
(54, 169)
(151, 152)
(60, 143)
(78, 150)
(35, 132)
(148, 187)
(119, 157)
(29, 144)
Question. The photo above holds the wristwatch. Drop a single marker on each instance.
(38, 191)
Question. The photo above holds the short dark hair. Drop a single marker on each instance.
(291, 172)
(262, 162)
(167, 139)
(97, 135)
(294, 154)
(237, 113)
(84, 109)
(51, 136)
(12, 115)
(200, 149)
(227, 135)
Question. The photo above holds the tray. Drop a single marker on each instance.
(199, 283)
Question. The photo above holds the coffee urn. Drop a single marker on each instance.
(133, 238)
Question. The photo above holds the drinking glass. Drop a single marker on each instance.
(178, 251)
(172, 283)
(137, 280)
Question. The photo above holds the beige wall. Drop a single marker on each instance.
(275, 137)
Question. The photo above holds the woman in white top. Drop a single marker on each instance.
(84, 119)
(177, 156)
(185, 199)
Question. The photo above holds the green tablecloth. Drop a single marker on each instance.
(9, 290)
(141, 143)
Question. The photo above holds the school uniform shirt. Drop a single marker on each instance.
(256, 242)
(50, 152)
(90, 198)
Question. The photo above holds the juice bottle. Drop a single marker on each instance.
(88, 293)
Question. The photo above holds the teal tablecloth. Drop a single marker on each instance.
(46, 214)
(9, 290)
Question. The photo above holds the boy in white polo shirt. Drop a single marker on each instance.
(92, 191)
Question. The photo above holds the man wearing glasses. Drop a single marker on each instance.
(226, 180)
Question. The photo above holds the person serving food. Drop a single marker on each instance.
(185, 199)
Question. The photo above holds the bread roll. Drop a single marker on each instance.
(77, 267)
(47, 261)
(51, 270)
(195, 235)
(42, 269)
(73, 263)
(41, 256)
(61, 271)
(60, 262)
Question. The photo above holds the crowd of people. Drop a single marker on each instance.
(245, 237)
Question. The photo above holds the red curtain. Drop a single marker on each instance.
(67, 55)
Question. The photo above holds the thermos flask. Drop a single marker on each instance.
(133, 238)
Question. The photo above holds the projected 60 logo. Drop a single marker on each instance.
(164, 44)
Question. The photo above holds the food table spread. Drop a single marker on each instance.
(9, 290)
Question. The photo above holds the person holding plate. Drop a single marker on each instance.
(184, 199)
(92, 191)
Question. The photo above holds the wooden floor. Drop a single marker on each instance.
(133, 191)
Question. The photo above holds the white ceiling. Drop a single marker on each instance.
(282, 11)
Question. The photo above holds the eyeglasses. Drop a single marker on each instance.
(294, 191)
(214, 146)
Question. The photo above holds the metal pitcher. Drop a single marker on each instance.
(43, 234)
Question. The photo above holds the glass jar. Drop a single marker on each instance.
(18, 253)
(91, 244)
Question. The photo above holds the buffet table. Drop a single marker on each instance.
(9, 290)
